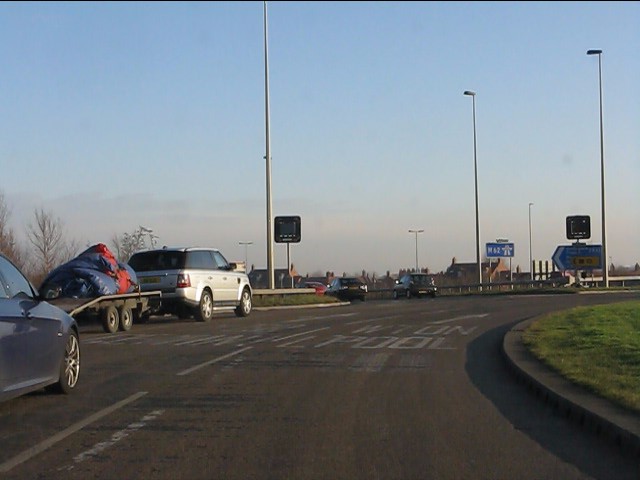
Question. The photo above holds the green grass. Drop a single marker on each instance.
(596, 347)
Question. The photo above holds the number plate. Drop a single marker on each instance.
(150, 280)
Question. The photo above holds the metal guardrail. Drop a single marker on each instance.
(494, 287)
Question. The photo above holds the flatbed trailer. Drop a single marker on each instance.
(115, 312)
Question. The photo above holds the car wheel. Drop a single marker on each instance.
(244, 309)
(126, 319)
(395, 295)
(70, 366)
(110, 319)
(408, 293)
(205, 309)
(363, 298)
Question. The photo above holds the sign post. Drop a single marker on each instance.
(288, 230)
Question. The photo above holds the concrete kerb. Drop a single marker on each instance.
(596, 414)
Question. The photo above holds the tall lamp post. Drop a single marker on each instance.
(475, 171)
(246, 262)
(416, 232)
(530, 257)
(605, 268)
(270, 267)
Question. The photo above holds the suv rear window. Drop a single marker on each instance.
(200, 260)
(150, 261)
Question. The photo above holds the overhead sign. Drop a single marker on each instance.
(500, 250)
(578, 257)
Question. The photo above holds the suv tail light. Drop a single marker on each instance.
(183, 281)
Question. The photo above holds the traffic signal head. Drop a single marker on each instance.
(578, 227)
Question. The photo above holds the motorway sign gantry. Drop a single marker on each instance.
(500, 250)
(578, 257)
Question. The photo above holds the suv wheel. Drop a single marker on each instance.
(408, 293)
(395, 295)
(244, 308)
(205, 309)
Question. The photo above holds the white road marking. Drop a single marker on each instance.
(299, 334)
(115, 438)
(303, 339)
(463, 317)
(46, 444)
(211, 362)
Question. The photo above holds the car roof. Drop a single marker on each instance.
(177, 249)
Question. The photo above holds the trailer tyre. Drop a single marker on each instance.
(126, 318)
(110, 319)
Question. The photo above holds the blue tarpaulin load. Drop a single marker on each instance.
(93, 273)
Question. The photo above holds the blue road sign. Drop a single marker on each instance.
(578, 257)
(500, 250)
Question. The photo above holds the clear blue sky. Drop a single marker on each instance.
(116, 115)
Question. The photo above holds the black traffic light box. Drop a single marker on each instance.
(287, 229)
(578, 227)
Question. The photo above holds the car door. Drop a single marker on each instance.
(29, 333)
(229, 280)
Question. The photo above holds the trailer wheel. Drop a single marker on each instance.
(110, 319)
(126, 318)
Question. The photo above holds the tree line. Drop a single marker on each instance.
(47, 246)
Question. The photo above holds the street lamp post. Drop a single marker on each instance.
(605, 270)
(246, 262)
(530, 257)
(475, 171)
(270, 267)
(416, 233)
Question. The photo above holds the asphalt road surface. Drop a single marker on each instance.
(407, 389)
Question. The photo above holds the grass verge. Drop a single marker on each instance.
(597, 347)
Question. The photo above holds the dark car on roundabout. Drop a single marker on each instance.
(415, 285)
(347, 288)
(39, 342)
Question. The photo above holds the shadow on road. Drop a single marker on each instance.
(542, 422)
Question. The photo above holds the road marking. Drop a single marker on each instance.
(211, 362)
(299, 334)
(463, 317)
(303, 339)
(46, 444)
(115, 438)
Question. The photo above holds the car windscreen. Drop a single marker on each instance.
(151, 261)
(420, 280)
(351, 281)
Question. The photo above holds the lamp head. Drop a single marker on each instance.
(594, 52)
(470, 93)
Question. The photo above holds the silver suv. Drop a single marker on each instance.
(193, 281)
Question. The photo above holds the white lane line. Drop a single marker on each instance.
(115, 438)
(46, 444)
(463, 317)
(369, 320)
(299, 334)
(211, 362)
(299, 340)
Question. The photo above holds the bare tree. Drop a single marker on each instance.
(8, 243)
(48, 243)
(128, 243)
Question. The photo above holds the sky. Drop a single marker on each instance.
(119, 115)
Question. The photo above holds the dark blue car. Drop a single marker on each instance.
(39, 343)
